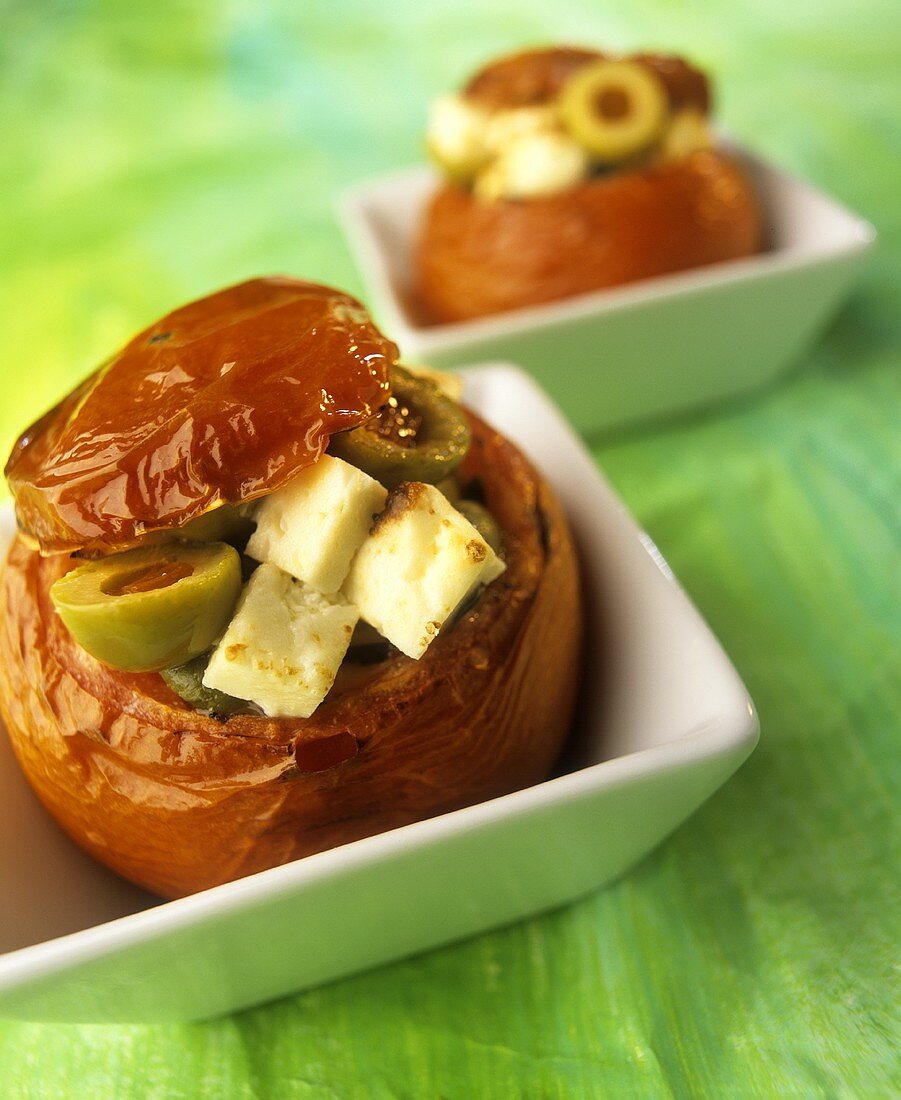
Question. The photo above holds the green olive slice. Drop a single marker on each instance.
(484, 522)
(187, 682)
(614, 108)
(420, 435)
(148, 609)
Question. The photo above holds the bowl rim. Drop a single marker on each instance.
(30, 963)
(734, 731)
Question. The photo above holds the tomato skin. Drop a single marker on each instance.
(220, 401)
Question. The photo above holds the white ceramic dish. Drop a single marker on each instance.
(665, 720)
(637, 352)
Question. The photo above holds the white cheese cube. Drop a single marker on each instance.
(283, 648)
(508, 125)
(687, 132)
(533, 165)
(420, 562)
(456, 135)
(313, 526)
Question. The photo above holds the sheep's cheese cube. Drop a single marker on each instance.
(283, 648)
(421, 561)
(313, 526)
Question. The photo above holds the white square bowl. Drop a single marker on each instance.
(664, 721)
(637, 352)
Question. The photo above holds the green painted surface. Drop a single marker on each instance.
(149, 153)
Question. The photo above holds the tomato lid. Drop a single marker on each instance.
(221, 401)
(533, 77)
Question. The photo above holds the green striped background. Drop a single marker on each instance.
(149, 153)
